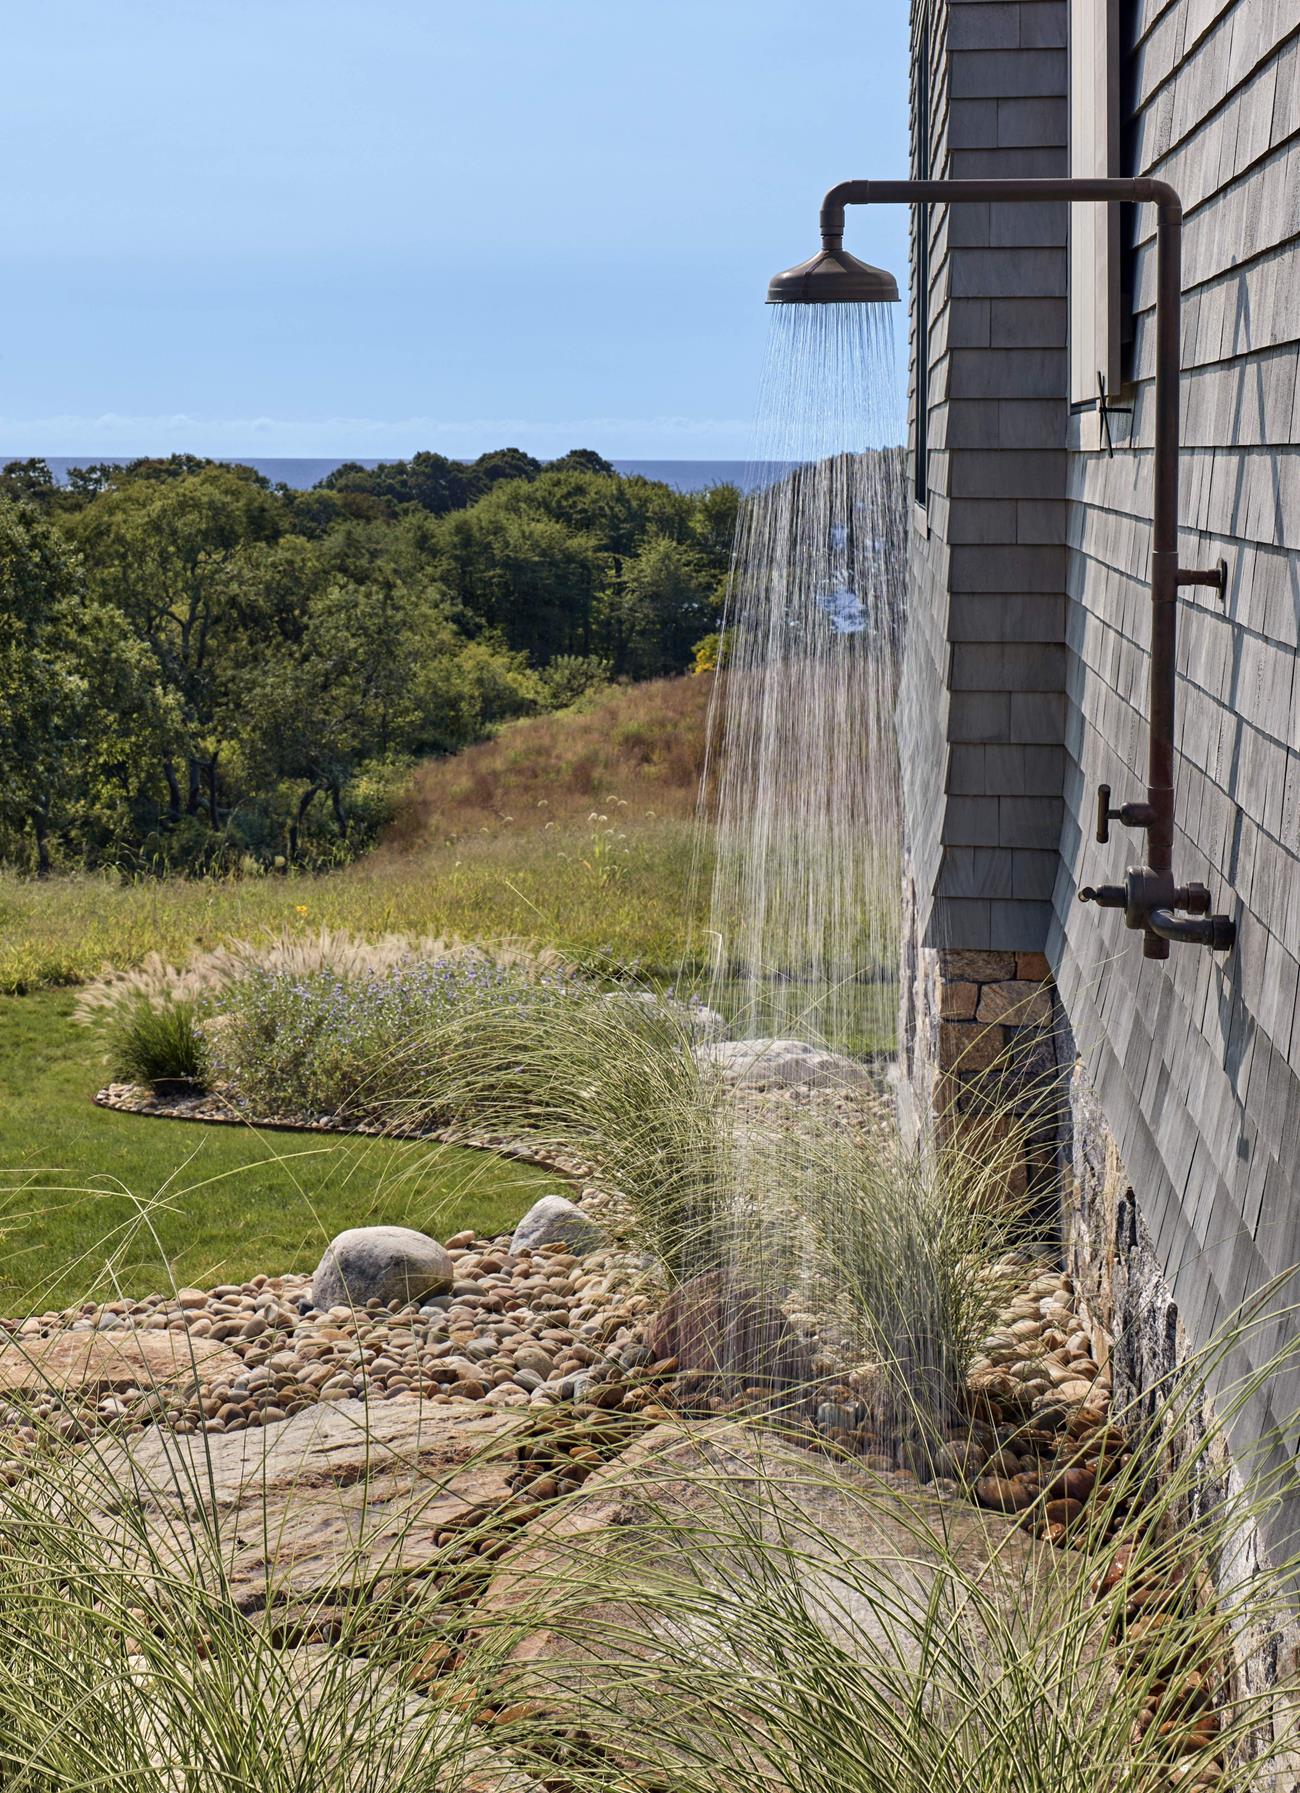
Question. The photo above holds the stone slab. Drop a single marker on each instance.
(672, 1511)
(310, 1510)
(86, 1362)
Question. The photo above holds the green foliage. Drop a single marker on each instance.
(158, 1043)
(579, 562)
(201, 672)
(350, 1044)
(668, 596)
(711, 651)
(82, 703)
(571, 676)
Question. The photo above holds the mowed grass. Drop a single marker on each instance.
(93, 1203)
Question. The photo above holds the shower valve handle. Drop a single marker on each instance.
(1132, 815)
(1106, 896)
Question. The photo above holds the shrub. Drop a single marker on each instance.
(571, 676)
(712, 652)
(158, 1043)
(348, 1043)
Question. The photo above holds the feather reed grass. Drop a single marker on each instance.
(732, 1613)
(808, 1197)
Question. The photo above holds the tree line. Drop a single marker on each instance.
(200, 670)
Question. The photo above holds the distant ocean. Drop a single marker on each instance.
(686, 476)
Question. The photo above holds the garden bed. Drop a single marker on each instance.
(212, 1109)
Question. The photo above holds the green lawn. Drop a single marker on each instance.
(93, 1202)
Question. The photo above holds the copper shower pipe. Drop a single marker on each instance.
(1149, 895)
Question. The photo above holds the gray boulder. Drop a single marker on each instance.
(391, 1263)
(783, 1064)
(693, 1018)
(555, 1221)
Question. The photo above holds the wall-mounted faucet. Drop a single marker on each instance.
(1149, 896)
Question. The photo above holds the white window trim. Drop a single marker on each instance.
(1094, 229)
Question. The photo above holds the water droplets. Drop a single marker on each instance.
(805, 900)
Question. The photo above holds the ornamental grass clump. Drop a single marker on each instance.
(806, 1199)
(713, 1609)
(323, 1043)
(205, 977)
(725, 1611)
(134, 1655)
(913, 1252)
(159, 1044)
(607, 1079)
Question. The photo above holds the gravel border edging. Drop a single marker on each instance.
(127, 1098)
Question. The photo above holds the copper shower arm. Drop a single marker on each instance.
(1151, 886)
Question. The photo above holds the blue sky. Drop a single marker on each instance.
(300, 227)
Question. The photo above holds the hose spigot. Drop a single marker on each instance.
(1149, 900)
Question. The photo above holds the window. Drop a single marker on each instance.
(921, 257)
(1095, 345)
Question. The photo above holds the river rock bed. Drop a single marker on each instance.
(531, 1330)
(554, 1332)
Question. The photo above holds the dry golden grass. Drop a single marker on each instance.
(640, 746)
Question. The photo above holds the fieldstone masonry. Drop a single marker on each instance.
(984, 1051)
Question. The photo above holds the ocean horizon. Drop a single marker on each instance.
(303, 472)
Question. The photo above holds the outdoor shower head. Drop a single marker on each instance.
(833, 277)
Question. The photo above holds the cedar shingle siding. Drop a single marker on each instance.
(1196, 1060)
(1026, 678)
(982, 708)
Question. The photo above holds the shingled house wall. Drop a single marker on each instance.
(1025, 685)
(982, 699)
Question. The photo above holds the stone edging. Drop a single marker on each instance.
(126, 1098)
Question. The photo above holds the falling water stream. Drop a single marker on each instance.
(805, 903)
(804, 786)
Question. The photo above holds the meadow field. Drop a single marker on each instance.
(573, 832)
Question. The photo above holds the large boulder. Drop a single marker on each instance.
(554, 1220)
(388, 1263)
(783, 1064)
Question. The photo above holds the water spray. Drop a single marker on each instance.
(1149, 895)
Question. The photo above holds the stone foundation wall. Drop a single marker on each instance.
(1112, 1256)
(980, 1048)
